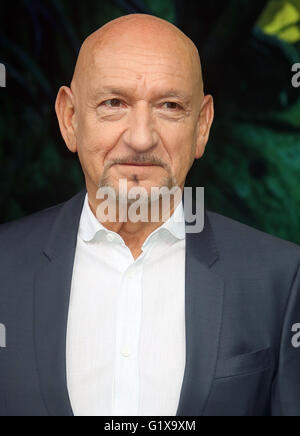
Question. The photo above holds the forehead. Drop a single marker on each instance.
(138, 67)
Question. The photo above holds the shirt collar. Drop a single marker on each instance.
(89, 225)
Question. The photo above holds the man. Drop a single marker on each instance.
(142, 318)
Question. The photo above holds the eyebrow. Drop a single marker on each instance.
(171, 93)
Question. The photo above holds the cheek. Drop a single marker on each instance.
(95, 142)
(95, 138)
(180, 143)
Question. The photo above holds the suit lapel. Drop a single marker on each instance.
(51, 299)
(203, 305)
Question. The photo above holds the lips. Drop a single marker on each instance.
(138, 165)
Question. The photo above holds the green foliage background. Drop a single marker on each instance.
(252, 162)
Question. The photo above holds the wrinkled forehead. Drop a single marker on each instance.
(149, 65)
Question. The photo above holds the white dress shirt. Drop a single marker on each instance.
(126, 327)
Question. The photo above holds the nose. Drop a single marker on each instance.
(140, 135)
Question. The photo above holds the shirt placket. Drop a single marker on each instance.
(128, 323)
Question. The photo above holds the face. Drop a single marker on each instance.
(139, 115)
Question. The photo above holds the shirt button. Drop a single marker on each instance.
(110, 237)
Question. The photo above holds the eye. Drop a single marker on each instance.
(172, 105)
(112, 103)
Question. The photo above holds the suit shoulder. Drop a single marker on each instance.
(248, 241)
(22, 228)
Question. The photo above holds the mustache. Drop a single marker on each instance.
(138, 160)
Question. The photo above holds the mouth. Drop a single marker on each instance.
(137, 165)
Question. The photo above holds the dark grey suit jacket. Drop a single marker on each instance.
(242, 301)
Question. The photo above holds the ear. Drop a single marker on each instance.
(205, 121)
(65, 111)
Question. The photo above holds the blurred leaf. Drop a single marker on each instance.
(282, 18)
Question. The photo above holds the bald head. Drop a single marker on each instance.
(144, 33)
